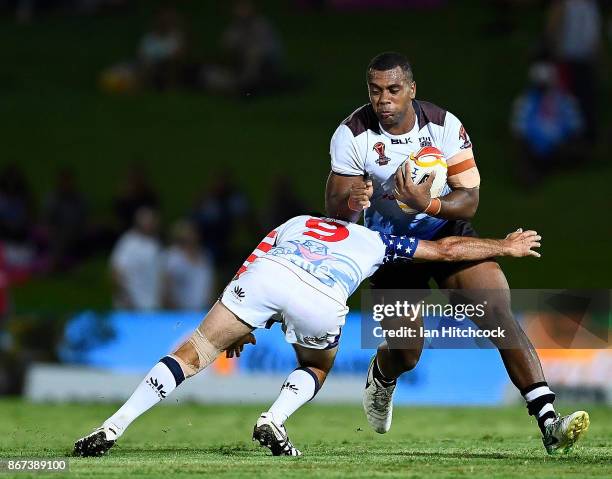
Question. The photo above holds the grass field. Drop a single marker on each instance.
(214, 441)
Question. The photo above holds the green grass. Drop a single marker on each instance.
(214, 441)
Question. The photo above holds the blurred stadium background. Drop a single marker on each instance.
(210, 121)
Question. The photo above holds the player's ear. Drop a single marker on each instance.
(412, 91)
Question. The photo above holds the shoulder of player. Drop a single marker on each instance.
(356, 227)
(429, 113)
(362, 120)
(329, 219)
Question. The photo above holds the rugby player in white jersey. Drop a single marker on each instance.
(301, 274)
(372, 143)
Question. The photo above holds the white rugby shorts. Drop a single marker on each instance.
(267, 289)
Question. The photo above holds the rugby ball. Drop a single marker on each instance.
(420, 166)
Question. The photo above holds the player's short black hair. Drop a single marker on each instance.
(390, 60)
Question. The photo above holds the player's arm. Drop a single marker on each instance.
(462, 174)
(461, 203)
(347, 192)
(236, 348)
(462, 177)
(460, 248)
(347, 196)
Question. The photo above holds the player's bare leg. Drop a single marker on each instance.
(300, 387)
(390, 361)
(521, 361)
(220, 329)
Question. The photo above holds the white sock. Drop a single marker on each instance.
(300, 387)
(539, 399)
(156, 385)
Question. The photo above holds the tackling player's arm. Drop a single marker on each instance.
(460, 248)
(347, 196)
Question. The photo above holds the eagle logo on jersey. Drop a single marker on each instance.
(379, 148)
(465, 137)
(313, 251)
(316, 258)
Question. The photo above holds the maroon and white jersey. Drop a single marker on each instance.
(360, 145)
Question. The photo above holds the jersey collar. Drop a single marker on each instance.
(414, 131)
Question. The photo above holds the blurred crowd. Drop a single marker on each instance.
(151, 267)
(26, 10)
(555, 119)
(248, 59)
(554, 122)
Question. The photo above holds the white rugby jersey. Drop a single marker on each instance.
(360, 145)
(337, 254)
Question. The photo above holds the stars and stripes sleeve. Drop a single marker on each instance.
(398, 247)
(262, 248)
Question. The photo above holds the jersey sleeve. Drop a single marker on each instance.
(345, 157)
(457, 149)
(262, 248)
(398, 247)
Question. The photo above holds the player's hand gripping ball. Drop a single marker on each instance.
(420, 166)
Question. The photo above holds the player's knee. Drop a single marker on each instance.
(501, 313)
(196, 354)
(409, 358)
(406, 359)
(321, 374)
(500, 316)
(320, 367)
(398, 360)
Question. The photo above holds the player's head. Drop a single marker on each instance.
(391, 87)
(185, 235)
(146, 221)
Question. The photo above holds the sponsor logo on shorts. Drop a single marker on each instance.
(238, 293)
(314, 340)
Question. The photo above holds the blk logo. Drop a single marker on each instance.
(239, 292)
